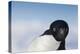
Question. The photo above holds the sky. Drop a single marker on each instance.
(30, 20)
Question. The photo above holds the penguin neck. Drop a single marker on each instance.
(62, 46)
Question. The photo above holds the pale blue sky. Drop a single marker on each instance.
(30, 20)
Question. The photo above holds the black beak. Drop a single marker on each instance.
(47, 32)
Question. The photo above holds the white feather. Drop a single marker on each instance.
(44, 43)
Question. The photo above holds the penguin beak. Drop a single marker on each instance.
(47, 32)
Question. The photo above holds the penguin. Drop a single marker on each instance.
(52, 39)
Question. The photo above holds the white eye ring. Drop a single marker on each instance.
(61, 31)
(54, 29)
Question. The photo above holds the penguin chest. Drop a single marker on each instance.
(44, 43)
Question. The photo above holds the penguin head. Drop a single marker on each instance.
(59, 29)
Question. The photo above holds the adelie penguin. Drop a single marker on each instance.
(52, 39)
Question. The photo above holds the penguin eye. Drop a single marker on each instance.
(61, 30)
(54, 29)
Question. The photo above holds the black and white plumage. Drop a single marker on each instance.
(52, 39)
